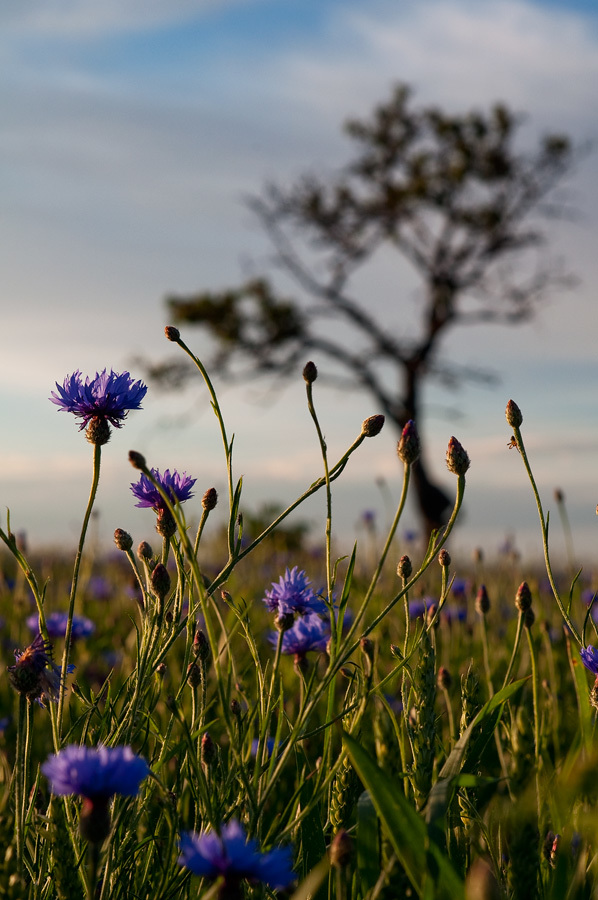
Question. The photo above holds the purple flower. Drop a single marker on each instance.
(178, 487)
(589, 657)
(230, 855)
(293, 594)
(107, 396)
(35, 674)
(308, 633)
(95, 772)
(56, 625)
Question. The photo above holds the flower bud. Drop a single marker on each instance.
(136, 459)
(144, 551)
(165, 523)
(372, 426)
(529, 618)
(513, 414)
(209, 499)
(523, 598)
(444, 558)
(408, 448)
(404, 568)
(444, 678)
(201, 647)
(310, 373)
(284, 621)
(457, 460)
(193, 675)
(482, 600)
(172, 334)
(123, 540)
(160, 581)
(341, 850)
(209, 750)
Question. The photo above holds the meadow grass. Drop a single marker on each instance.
(250, 716)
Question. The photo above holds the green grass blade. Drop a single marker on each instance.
(421, 858)
(368, 842)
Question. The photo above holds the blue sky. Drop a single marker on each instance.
(131, 133)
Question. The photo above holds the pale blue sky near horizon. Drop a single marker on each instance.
(132, 132)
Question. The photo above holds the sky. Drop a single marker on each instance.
(133, 131)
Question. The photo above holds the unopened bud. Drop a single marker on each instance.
(431, 616)
(136, 459)
(235, 707)
(160, 580)
(201, 647)
(444, 678)
(284, 621)
(172, 334)
(408, 448)
(457, 460)
(341, 850)
(165, 523)
(144, 551)
(310, 373)
(404, 568)
(513, 414)
(209, 499)
(523, 598)
(444, 558)
(123, 540)
(193, 675)
(208, 750)
(529, 617)
(482, 600)
(372, 426)
(161, 670)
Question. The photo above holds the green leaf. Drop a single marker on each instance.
(313, 843)
(368, 842)
(486, 721)
(421, 858)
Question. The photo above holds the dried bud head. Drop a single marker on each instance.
(123, 540)
(310, 373)
(444, 678)
(529, 618)
(431, 616)
(457, 460)
(372, 425)
(208, 750)
(482, 600)
(408, 448)
(210, 499)
(161, 670)
(513, 414)
(172, 334)
(444, 558)
(284, 621)
(404, 568)
(136, 459)
(523, 597)
(235, 707)
(98, 431)
(160, 580)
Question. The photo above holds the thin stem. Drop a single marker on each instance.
(515, 648)
(97, 453)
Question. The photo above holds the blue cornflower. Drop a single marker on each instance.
(95, 772)
(231, 856)
(589, 657)
(82, 627)
(293, 594)
(308, 633)
(107, 397)
(178, 487)
(35, 674)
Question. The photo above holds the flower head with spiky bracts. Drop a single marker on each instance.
(35, 675)
(231, 856)
(293, 594)
(307, 634)
(177, 487)
(589, 657)
(95, 772)
(56, 624)
(106, 398)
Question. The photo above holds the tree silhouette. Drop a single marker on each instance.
(452, 196)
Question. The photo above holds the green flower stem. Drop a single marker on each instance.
(544, 526)
(20, 775)
(97, 454)
(515, 649)
(535, 694)
(486, 655)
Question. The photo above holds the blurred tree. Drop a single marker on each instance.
(453, 197)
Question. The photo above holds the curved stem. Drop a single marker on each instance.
(97, 454)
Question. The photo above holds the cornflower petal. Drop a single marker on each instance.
(178, 487)
(108, 396)
(95, 772)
